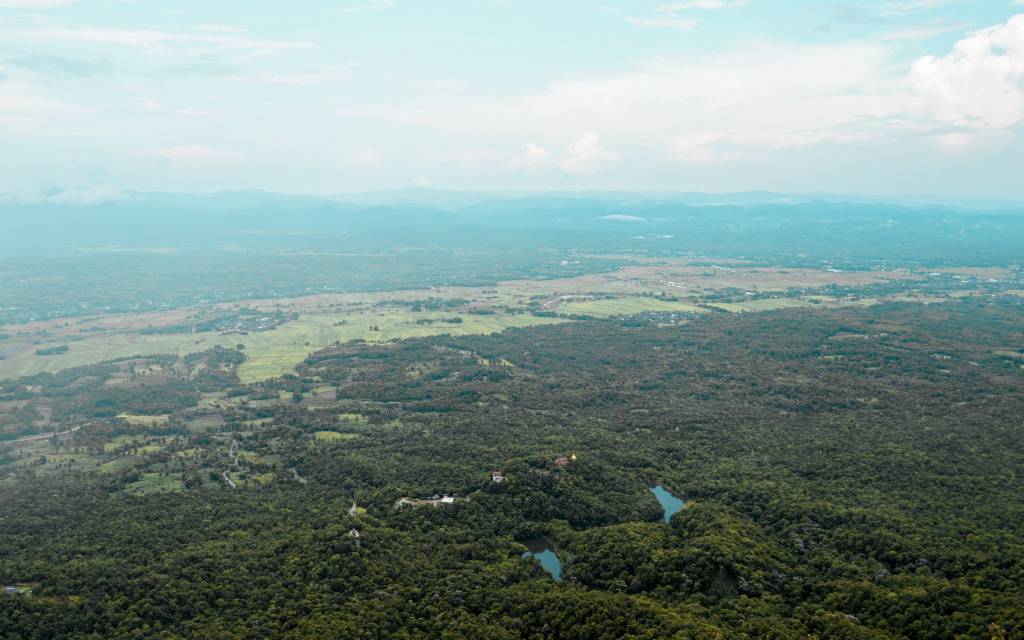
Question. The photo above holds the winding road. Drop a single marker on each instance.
(233, 454)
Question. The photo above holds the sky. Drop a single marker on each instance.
(887, 97)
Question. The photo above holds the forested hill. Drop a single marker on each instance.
(849, 474)
(758, 225)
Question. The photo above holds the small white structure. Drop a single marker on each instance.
(448, 500)
(498, 477)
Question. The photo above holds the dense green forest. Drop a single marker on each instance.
(851, 473)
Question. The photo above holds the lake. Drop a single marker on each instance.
(669, 502)
(542, 550)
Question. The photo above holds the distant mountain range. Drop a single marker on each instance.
(457, 199)
(757, 223)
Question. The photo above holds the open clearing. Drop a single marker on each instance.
(154, 483)
(269, 353)
(764, 304)
(276, 352)
(333, 436)
(626, 306)
(143, 421)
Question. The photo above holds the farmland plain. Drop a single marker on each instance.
(669, 286)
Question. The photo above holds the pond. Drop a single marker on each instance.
(669, 502)
(542, 550)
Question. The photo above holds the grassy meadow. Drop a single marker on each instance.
(276, 352)
(764, 304)
(269, 353)
(626, 306)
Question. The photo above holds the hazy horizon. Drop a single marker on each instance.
(423, 196)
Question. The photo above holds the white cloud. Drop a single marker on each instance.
(160, 40)
(75, 196)
(582, 156)
(672, 15)
(300, 78)
(21, 103)
(22, 110)
(193, 157)
(438, 86)
(370, 5)
(705, 5)
(221, 28)
(964, 141)
(704, 148)
(197, 112)
(765, 97)
(622, 217)
(717, 147)
(84, 196)
(897, 8)
(366, 158)
(586, 155)
(980, 83)
(533, 157)
(666, 22)
(155, 106)
(922, 32)
(34, 4)
(757, 100)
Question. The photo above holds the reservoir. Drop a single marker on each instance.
(669, 502)
(541, 549)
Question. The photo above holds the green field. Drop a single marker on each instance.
(120, 464)
(353, 417)
(276, 352)
(135, 444)
(98, 348)
(154, 483)
(333, 436)
(765, 304)
(143, 421)
(54, 460)
(270, 353)
(626, 306)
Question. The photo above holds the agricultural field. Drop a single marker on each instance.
(276, 352)
(626, 306)
(324, 320)
(100, 347)
(132, 445)
(762, 304)
(154, 483)
(146, 421)
(270, 353)
(329, 437)
(681, 277)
